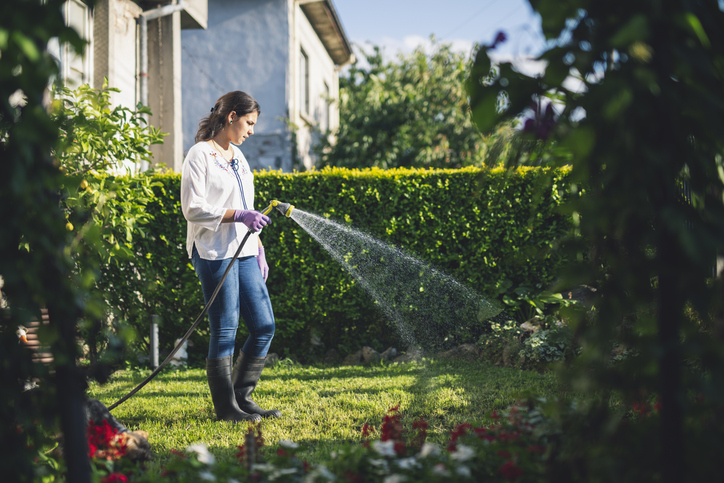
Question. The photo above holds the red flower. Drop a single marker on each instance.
(105, 442)
(536, 449)
(641, 408)
(281, 452)
(495, 415)
(503, 436)
(504, 454)
(420, 424)
(353, 477)
(241, 455)
(115, 478)
(400, 449)
(391, 427)
(180, 454)
(367, 430)
(510, 471)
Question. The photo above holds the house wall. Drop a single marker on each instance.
(245, 47)
(115, 49)
(164, 88)
(322, 70)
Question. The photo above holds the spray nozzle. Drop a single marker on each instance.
(284, 208)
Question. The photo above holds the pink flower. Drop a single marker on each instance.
(500, 37)
(542, 123)
(115, 478)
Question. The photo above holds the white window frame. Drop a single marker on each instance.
(303, 82)
(75, 69)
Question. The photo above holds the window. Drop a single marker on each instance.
(304, 82)
(324, 114)
(75, 69)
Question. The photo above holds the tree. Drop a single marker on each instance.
(104, 211)
(33, 262)
(647, 123)
(411, 112)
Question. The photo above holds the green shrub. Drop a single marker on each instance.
(485, 228)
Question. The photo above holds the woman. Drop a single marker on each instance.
(217, 199)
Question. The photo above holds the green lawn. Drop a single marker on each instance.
(322, 406)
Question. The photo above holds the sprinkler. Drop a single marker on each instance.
(286, 210)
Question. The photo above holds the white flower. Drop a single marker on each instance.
(288, 444)
(463, 471)
(407, 463)
(207, 476)
(429, 449)
(232, 480)
(264, 467)
(439, 469)
(379, 464)
(463, 453)
(202, 453)
(320, 471)
(285, 471)
(385, 448)
(394, 479)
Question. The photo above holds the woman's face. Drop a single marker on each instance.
(241, 127)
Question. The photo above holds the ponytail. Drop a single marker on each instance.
(239, 102)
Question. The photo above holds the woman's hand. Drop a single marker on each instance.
(263, 266)
(252, 219)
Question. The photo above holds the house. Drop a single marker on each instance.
(144, 62)
(286, 54)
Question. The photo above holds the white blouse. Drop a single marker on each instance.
(209, 187)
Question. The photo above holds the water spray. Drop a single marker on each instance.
(286, 210)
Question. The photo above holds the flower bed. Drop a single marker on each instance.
(513, 449)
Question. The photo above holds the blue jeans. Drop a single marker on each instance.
(243, 293)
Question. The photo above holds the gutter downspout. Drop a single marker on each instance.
(143, 19)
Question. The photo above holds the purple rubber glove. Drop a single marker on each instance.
(263, 266)
(252, 219)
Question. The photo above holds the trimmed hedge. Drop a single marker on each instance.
(486, 228)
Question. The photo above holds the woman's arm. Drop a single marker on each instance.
(228, 216)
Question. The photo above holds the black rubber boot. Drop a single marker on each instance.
(218, 373)
(245, 377)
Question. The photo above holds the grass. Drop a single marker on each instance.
(323, 407)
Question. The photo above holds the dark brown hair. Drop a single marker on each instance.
(239, 102)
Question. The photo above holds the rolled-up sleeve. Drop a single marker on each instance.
(194, 199)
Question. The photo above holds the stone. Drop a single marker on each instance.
(331, 357)
(353, 359)
(370, 356)
(465, 352)
(271, 359)
(531, 325)
(411, 355)
(389, 354)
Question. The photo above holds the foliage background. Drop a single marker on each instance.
(643, 134)
(492, 230)
(409, 112)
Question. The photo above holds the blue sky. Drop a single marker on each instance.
(402, 25)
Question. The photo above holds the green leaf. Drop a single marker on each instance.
(26, 45)
(698, 29)
(635, 30)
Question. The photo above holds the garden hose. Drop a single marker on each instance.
(285, 209)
